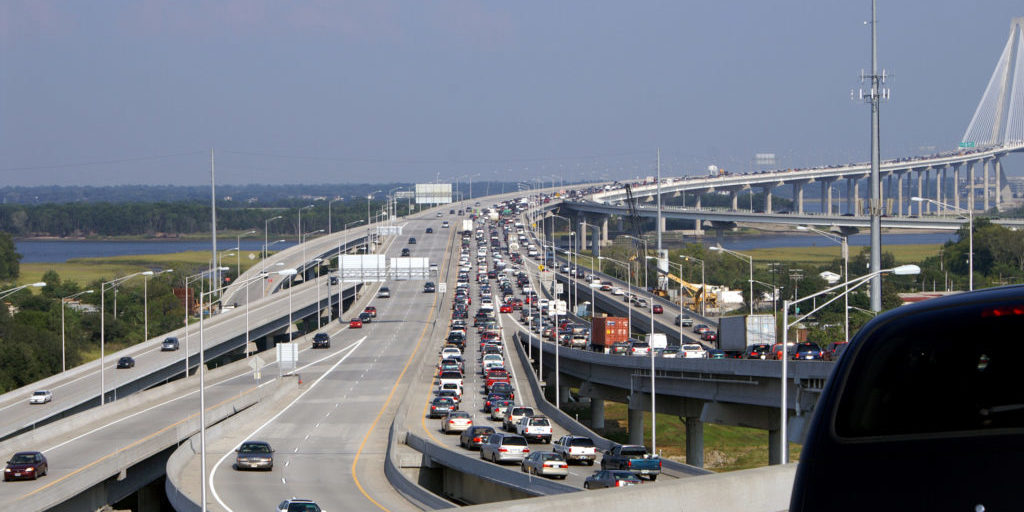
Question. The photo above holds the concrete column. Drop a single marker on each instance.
(828, 197)
(857, 210)
(596, 414)
(985, 192)
(697, 204)
(774, 455)
(850, 203)
(970, 185)
(663, 224)
(899, 194)
(940, 176)
(999, 191)
(882, 192)
(604, 229)
(564, 394)
(768, 199)
(635, 419)
(956, 185)
(735, 200)
(822, 207)
(798, 195)
(695, 442)
(581, 233)
(920, 191)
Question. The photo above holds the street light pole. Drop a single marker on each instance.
(970, 234)
(266, 242)
(238, 245)
(847, 286)
(844, 246)
(750, 260)
(286, 273)
(145, 303)
(703, 286)
(63, 351)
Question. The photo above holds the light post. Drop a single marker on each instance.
(63, 351)
(266, 243)
(847, 286)
(329, 203)
(302, 242)
(266, 251)
(188, 280)
(145, 304)
(103, 337)
(750, 260)
(842, 241)
(970, 234)
(7, 293)
(316, 283)
(651, 312)
(287, 273)
(703, 287)
(238, 244)
(680, 265)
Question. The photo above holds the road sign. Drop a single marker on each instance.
(967, 144)
(442, 287)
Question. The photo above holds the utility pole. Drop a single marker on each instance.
(874, 96)
(213, 221)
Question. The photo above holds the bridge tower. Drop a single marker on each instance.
(999, 118)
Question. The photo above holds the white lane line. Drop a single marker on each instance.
(213, 472)
(305, 438)
(282, 481)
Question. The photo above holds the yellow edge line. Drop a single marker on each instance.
(355, 476)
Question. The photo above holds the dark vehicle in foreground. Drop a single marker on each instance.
(632, 457)
(761, 351)
(125, 362)
(611, 478)
(321, 340)
(809, 351)
(474, 436)
(254, 455)
(26, 466)
(919, 390)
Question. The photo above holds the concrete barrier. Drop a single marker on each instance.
(283, 390)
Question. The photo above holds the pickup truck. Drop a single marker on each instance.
(576, 448)
(632, 457)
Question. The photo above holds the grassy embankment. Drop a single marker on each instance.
(87, 270)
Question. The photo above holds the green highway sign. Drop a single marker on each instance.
(967, 144)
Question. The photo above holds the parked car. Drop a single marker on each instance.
(545, 464)
(125, 362)
(170, 343)
(321, 340)
(254, 455)
(576, 448)
(504, 448)
(25, 466)
(610, 478)
(41, 397)
(456, 421)
(474, 436)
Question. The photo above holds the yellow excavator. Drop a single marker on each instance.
(697, 293)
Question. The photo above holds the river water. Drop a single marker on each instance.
(59, 251)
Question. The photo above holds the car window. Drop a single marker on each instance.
(540, 422)
(582, 441)
(24, 458)
(514, 441)
(253, 448)
(952, 371)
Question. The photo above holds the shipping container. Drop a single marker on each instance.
(606, 331)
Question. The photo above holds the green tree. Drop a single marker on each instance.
(10, 260)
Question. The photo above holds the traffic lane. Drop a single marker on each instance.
(317, 437)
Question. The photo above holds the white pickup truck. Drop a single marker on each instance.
(534, 428)
(576, 448)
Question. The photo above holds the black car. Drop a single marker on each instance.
(405, 252)
(365, 317)
(921, 389)
(809, 351)
(430, 230)
(474, 436)
(412, 240)
(321, 340)
(760, 351)
(429, 287)
(126, 362)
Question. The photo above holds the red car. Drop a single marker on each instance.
(505, 308)
(355, 323)
(372, 310)
(657, 309)
(517, 304)
(25, 466)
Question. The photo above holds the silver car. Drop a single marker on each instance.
(254, 455)
(504, 448)
(545, 464)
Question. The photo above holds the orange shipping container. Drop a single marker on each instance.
(606, 331)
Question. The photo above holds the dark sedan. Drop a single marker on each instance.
(611, 478)
(809, 351)
(761, 351)
(25, 466)
(440, 406)
(126, 362)
(474, 436)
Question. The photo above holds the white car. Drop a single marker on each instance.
(618, 291)
(302, 504)
(693, 351)
(535, 428)
(41, 397)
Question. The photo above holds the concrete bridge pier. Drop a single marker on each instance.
(798, 196)
(635, 419)
(596, 414)
(851, 204)
(970, 185)
(768, 199)
(734, 198)
(774, 454)
(985, 192)
(956, 186)
(998, 191)
(826, 196)
(695, 441)
(920, 191)
(581, 233)
(899, 194)
(604, 229)
(940, 177)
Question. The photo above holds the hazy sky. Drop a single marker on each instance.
(137, 91)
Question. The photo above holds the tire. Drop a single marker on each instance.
(523, 468)
(654, 477)
(603, 466)
(586, 485)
